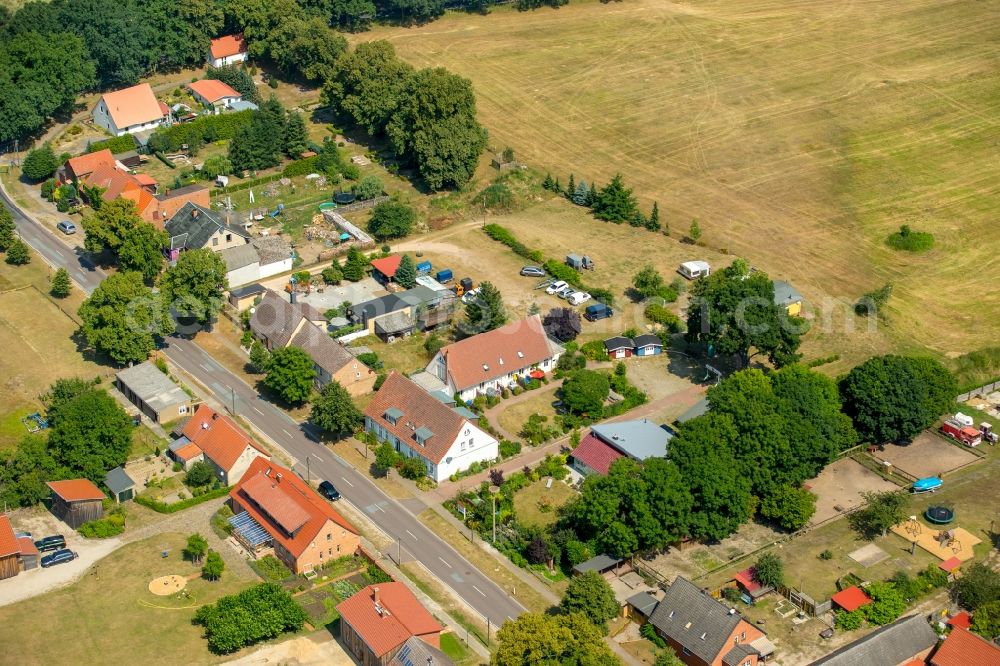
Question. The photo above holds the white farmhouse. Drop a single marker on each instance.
(227, 50)
(496, 359)
(130, 110)
(419, 425)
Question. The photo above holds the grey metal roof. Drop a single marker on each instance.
(699, 408)
(599, 563)
(239, 256)
(393, 413)
(196, 225)
(639, 439)
(465, 412)
(118, 481)
(443, 396)
(618, 342)
(152, 386)
(888, 646)
(785, 294)
(397, 322)
(390, 303)
(416, 652)
(179, 443)
(423, 433)
(248, 290)
(242, 105)
(695, 620)
(647, 339)
(644, 602)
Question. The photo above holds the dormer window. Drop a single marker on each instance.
(422, 434)
(393, 414)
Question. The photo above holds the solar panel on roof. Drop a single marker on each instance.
(249, 529)
(404, 655)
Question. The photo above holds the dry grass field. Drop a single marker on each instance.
(799, 133)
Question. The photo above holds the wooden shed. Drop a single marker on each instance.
(76, 501)
(10, 550)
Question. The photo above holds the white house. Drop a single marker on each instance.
(496, 359)
(130, 110)
(214, 94)
(227, 50)
(419, 425)
(263, 257)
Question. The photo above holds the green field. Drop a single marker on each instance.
(799, 134)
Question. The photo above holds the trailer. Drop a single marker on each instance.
(444, 276)
(958, 431)
(579, 263)
(424, 268)
(692, 270)
(986, 429)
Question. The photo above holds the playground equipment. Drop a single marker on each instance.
(913, 526)
(927, 485)
(343, 198)
(35, 422)
(278, 211)
(947, 539)
(939, 515)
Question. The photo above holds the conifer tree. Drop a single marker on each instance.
(60, 286)
(570, 186)
(580, 194)
(653, 223)
(406, 273)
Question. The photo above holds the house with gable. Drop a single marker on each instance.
(419, 425)
(704, 631)
(488, 362)
(278, 323)
(607, 442)
(227, 50)
(194, 227)
(130, 110)
(214, 94)
(214, 438)
(908, 640)
(277, 512)
(964, 648)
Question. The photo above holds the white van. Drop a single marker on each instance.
(693, 270)
(579, 298)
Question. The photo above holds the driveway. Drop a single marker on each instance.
(38, 581)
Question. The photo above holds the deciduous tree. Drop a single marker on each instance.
(7, 229)
(535, 639)
(108, 226)
(978, 586)
(591, 596)
(214, 566)
(789, 507)
(196, 548)
(39, 164)
(585, 392)
(194, 285)
(142, 250)
(90, 433)
(369, 85)
(290, 374)
(563, 324)
(769, 570)
(882, 510)
(334, 411)
(123, 319)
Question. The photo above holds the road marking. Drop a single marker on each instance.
(445, 562)
(412, 535)
(380, 508)
(510, 618)
(286, 432)
(478, 590)
(347, 482)
(317, 457)
(257, 410)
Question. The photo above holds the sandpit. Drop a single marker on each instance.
(164, 586)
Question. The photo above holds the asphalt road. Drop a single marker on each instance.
(395, 518)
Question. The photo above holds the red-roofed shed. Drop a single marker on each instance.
(747, 582)
(964, 648)
(950, 565)
(384, 269)
(76, 501)
(961, 621)
(10, 551)
(851, 598)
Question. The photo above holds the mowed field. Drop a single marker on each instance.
(799, 134)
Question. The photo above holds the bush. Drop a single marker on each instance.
(826, 555)
(197, 133)
(509, 448)
(850, 621)
(332, 275)
(873, 302)
(374, 574)
(200, 474)
(649, 633)
(39, 164)
(412, 468)
(161, 507)
(561, 271)
(391, 219)
(659, 314)
(108, 526)
(496, 196)
(910, 241)
(271, 568)
(501, 234)
(369, 188)
(119, 144)
(594, 351)
(302, 167)
(273, 612)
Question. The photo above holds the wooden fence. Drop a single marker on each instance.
(982, 390)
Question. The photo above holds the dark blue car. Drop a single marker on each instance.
(58, 557)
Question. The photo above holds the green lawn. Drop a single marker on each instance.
(145, 443)
(529, 502)
(452, 646)
(109, 615)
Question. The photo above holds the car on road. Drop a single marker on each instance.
(59, 557)
(329, 491)
(579, 298)
(555, 286)
(51, 542)
(533, 271)
(66, 227)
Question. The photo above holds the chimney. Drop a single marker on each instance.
(215, 415)
(277, 477)
(195, 213)
(375, 594)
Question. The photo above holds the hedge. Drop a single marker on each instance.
(302, 167)
(196, 133)
(119, 144)
(498, 233)
(253, 182)
(160, 507)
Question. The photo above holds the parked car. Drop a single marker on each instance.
(21, 535)
(329, 491)
(66, 227)
(555, 286)
(470, 296)
(58, 557)
(533, 271)
(597, 311)
(52, 542)
(578, 298)
(565, 291)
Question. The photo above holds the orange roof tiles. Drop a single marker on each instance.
(483, 357)
(216, 434)
(387, 265)
(961, 620)
(401, 616)
(133, 106)
(8, 542)
(276, 503)
(851, 598)
(27, 546)
(212, 90)
(229, 45)
(84, 165)
(963, 648)
(76, 490)
(145, 180)
(188, 451)
(295, 491)
(950, 564)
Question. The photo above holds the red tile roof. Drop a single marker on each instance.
(188, 451)
(595, 454)
(27, 546)
(8, 542)
(76, 490)
(212, 90)
(387, 265)
(493, 354)
(964, 648)
(222, 440)
(275, 502)
(851, 598)
(962, 620)
(145, 180)
(747, 581)
(84, 165)
(294, 491)
(420, 410)
(401, 616)
(133, 106)
(950, 564)
(229, 45)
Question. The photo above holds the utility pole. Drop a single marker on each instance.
(398, 551)
(493, 498)
(308, 479)
(232, 396)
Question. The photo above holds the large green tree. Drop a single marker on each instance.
(7, 229)
(60, 287)
(585, 392)
(406, 273)
(40, 164)
(789, 507)
(369, 85)
(769, 570)
(296, 135)
(391, 219)
(536, 639)
(123, 318)
(733, 312)
(306, 48)
(257, 613)
(90, 433)
(355, 265)
(238, 79)
(590, 595)
(892, 398)
(615, 202)
(194, 285)
(881, 511)
(290, 374)
(142, 250)
(24, 471)
(334, 411)
(107, 227)
(486, 311)
(978, 586)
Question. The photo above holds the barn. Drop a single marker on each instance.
(76, 501)
(10, 550)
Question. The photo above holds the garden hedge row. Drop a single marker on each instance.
(161, 507)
